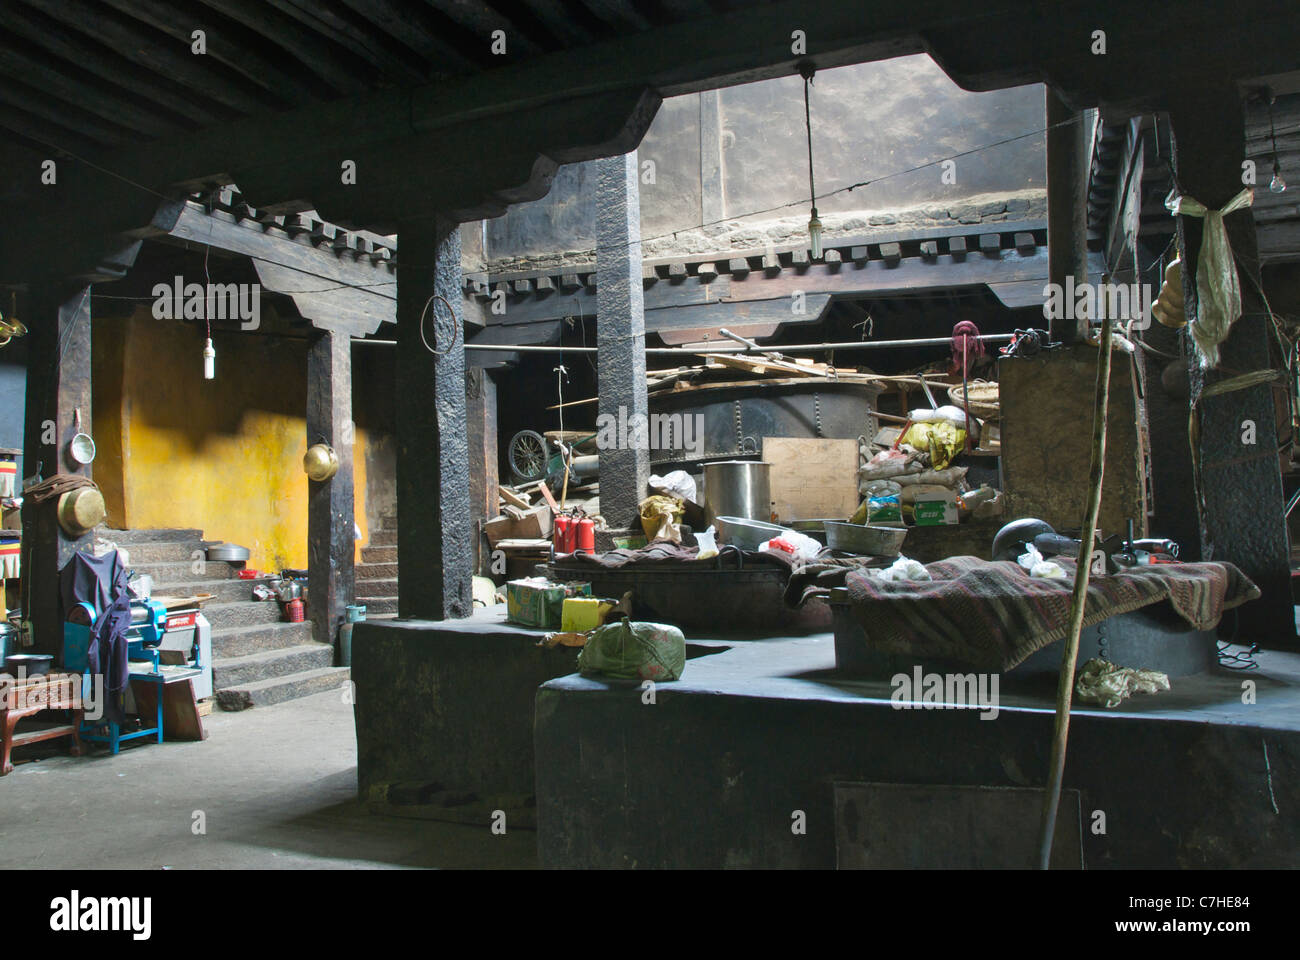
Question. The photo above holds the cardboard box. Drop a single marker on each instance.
(935, 509)
(538, 602)
(536, 524)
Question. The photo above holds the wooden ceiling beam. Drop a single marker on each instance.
(40, 32)
(170, 59)
(228, 42)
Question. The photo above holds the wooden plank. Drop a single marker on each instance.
(545, 491)
(520, 500)
(812, 478)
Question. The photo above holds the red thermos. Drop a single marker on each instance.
(562, 538)
(586, 538)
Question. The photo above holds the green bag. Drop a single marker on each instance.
(634, 651)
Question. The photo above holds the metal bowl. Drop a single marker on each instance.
(229, 552)
(872, 541)
(746, 534)
(35, 664)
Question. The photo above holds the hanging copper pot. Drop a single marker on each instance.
(320, 462)
(81, 510)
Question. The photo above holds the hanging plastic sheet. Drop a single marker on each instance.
(1218, 291)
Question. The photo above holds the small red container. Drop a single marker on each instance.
(294, 610)
(248, 574)
(586, 535)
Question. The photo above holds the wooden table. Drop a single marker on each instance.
(30, 696)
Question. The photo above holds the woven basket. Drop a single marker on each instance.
(981, 399)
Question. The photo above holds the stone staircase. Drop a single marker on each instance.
(376, 574)
(257, 657)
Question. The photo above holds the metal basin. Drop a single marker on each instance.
(744, 533)
(872, 541)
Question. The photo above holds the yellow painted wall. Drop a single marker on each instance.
(223, 455)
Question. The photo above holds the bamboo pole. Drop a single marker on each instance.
(1065, 686)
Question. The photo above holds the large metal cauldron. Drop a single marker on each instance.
(735, 419)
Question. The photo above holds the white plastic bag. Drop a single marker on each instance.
(805, 547)
(707, 545)
(679, 483)
(901, 569)
(1038, 567)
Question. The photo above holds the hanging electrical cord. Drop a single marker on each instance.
(1237, 661)
(455, 326)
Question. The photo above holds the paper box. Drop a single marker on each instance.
(935, 509)
(538, 602)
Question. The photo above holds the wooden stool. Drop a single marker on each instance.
(30, 696)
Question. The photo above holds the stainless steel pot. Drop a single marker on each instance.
(289, 590)
(738, 488)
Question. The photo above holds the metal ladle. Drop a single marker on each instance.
(81, 447)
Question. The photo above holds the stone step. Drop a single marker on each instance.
(125, 537)
(387, 523)
(188, 571)
(279, 689)
(243, 613)
(230, 672)
(223, 591)
(377, 606)
(378, 554)
(163, 551)
(240, 641)
(375, 571)
(383, 538)
(379, 588)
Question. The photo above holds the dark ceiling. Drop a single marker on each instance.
(83, 74)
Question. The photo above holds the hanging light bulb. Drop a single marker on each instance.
(807, 70)
(1277, 184)
(209, 360)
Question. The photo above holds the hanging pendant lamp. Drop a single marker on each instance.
(807, 70)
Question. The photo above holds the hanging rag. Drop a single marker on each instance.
(1218, 291)
(102, 582)
(967, 347)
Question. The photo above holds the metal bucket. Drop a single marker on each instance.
(738, 488)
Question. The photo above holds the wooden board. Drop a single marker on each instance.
(812, 478)
(181, 718)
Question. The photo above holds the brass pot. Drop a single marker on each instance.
(81, 511)
(320, 462)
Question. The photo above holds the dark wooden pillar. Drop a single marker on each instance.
(1242, 507)
(330, 512)
(434, 545)
(1067, 207)
(58, 384)
(481, 418)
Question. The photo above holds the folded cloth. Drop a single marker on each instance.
(992, 615)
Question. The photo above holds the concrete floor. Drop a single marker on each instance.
(277, 785)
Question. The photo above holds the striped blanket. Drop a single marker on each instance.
(992, 615)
